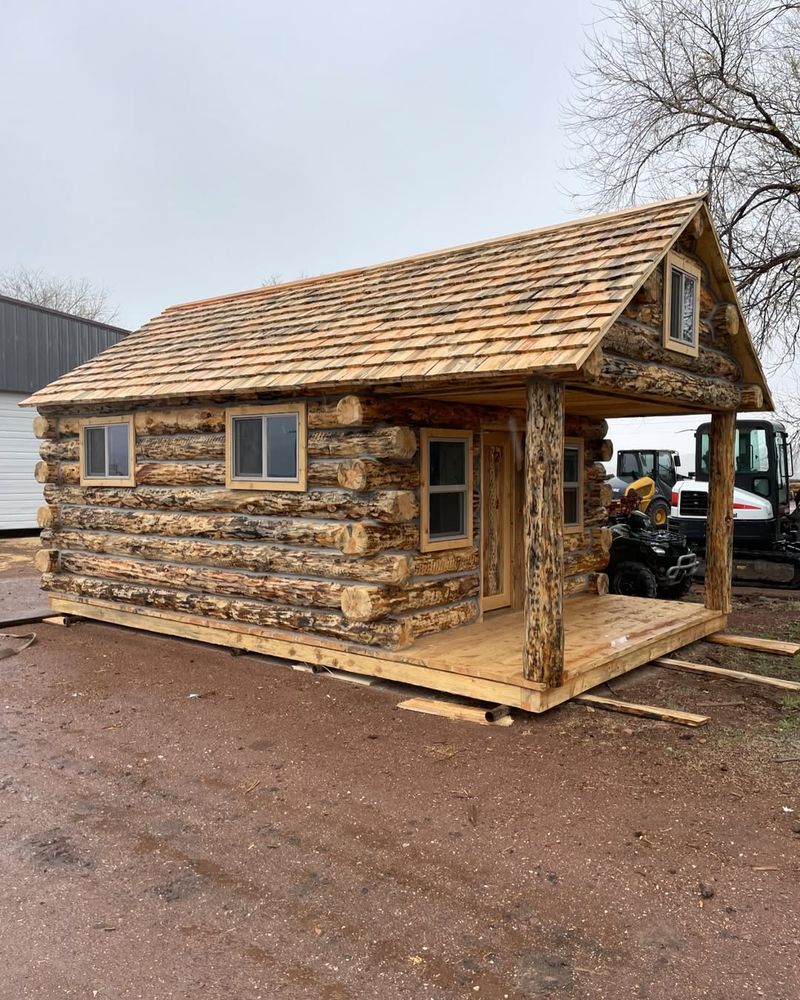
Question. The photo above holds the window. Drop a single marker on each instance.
(446, 502)
(266, 447)
(681, 304)
(106, 451)
(573, 484)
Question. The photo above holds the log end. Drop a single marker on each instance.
(43, 427)
(359, 605)
(46, 560)
(41, 472)
(352, 474)
(350, 412)
(45, 517)
(606, 450)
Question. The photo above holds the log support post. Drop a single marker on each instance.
(719, 528)
(543, 649)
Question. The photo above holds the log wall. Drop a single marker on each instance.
(341, 559)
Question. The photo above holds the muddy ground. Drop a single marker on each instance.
(289, 835)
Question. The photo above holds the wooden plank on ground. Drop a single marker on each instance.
(732, 675)
(451, 710)
(646, 711)
(775, 646)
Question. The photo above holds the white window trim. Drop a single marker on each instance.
(677, 261)
(87, 480)
(298, 484)
(575, 444)
(456, 541)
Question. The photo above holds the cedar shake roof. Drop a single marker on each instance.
(530, 302)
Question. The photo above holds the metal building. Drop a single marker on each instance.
(36, 346)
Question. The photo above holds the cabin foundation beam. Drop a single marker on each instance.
(719, 527)
(543, 639)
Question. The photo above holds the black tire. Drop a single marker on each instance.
(675, 591)
(658, 512)
(632, 579)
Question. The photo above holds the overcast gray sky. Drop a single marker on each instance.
(171, 151)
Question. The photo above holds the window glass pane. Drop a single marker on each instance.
(751, 450)
(629, 465)
(448, 462)
(447, 514)
(247, 452)
(282, 446)
(676, 285)
(687, 309)
(647, 466)
(94, 443)
(571, 465)
(118, 437)
(571, 505)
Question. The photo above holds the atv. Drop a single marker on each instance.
(646, 561)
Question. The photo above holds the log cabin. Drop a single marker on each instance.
(396, 470)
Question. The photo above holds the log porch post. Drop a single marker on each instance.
(719, 528)
(543, 649)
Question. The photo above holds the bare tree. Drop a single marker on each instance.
(682, 95)
(78, 297)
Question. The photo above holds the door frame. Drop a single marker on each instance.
(504, 599)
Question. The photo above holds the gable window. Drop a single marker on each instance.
(446, 501)
(573, 484)
(681, 304)
(265, 447)
(106, 451)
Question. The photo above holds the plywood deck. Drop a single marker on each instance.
(605, 637)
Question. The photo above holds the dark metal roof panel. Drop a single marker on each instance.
(38, 345)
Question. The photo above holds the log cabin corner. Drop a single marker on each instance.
(396, 470)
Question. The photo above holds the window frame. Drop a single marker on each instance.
(676, 261)
(298, 485)
(427, 435)
(576, 444)
(107, 421)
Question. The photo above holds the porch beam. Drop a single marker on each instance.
(719, 526)
(646, 379)
(543, 649)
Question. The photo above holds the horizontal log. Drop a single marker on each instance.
(584, 427)
(439, 619)
(638, 378)
(44, 427)
(352, 539)
(598, 538)
(598, 494)
(388, 635)
(362, 539)
(598, 450)
(196, 420)
(180, 474)
(595, 515)
(633, 341)
(576, 585)
(258, 557)
(181, 447)
(752, 398)
(59, 451)
(392, 506)
(364, 603)
(585, 560)
(595, 472)
(446, 561)
(284, 590)
(359, 411)
(381, 442)
(725, 319)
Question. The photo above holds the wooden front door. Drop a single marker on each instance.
(497, 497)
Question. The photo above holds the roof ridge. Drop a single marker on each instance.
(265, 290)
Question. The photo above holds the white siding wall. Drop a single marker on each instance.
(20, 494)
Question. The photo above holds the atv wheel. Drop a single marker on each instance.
(632, 579)
(675, 591)
(658, 512)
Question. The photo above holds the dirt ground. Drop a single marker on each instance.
(288, 835)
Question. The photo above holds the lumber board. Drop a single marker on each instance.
(775, 646)
(288, 646)
(733, 675)
(646, 711)
(451, 710)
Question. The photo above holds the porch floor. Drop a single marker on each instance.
(604, 637)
